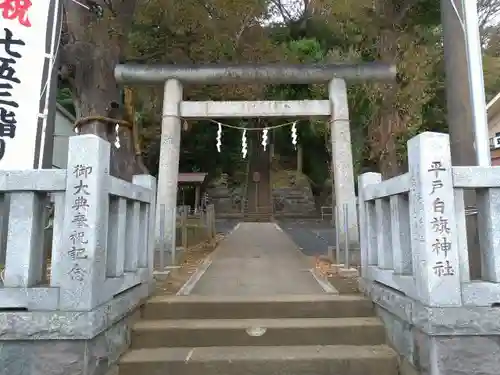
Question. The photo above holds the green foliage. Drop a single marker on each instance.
(383, 117)
(65, 99)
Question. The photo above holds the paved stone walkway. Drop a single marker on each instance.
(312, 236)
(257, 259)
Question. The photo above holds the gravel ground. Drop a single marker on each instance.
(189, 262)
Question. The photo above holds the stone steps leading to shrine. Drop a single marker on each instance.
(257, 217)
(261, 307)
(282, 335)
(262, 360)
(257, 332)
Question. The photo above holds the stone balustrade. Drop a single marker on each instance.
(79, 290)
(101, 243)
(415, 259)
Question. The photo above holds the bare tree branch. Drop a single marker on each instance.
(282, 9)
(488, 12)
(489, 19)
(291, 10)
(247, 22)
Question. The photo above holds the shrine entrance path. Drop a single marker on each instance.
(257, 259)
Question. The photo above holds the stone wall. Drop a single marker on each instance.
(69, 343)
(226, 197)
(66, 357)
(292, 194)
(448, 341)
(225, 200)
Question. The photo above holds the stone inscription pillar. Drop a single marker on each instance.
(80, 269)
(433, 229)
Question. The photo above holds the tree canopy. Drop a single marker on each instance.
(383, 116)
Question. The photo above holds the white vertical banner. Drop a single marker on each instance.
(23, 34)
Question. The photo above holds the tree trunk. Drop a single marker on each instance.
(92, 46)
(385, 127)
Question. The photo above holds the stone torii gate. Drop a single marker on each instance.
(175, 109)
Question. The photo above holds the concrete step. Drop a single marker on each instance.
(262, 307)
(262, 360)
(257, 332)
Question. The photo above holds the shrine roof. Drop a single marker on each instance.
(194, 177)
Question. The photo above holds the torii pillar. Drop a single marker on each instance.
(174, 76)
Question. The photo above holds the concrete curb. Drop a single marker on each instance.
(324, 283)
(195, 277)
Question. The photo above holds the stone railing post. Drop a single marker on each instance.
(24, 256)
(432, 221)
(367, 229)
(489, 232)
(82, 263)
(149, 182)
